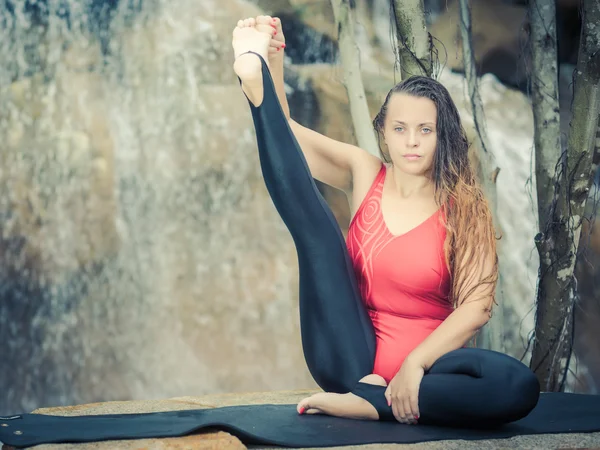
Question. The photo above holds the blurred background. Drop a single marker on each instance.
(140, 254)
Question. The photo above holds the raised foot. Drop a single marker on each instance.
(245, 39)
(347, 405)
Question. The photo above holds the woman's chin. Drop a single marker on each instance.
(416, 168)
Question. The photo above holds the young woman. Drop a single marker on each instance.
(385, 316)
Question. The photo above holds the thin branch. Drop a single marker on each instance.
(471, 75)
(489, 170)
(350, 59)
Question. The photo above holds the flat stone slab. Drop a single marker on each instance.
(221, 440)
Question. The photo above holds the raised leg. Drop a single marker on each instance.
(337, 335)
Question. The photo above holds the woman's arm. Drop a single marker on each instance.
(464, 322)
(330, 161)
(453, 333)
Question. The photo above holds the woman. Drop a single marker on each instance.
(386, 315)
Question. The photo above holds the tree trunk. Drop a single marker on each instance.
(493, 335)
(350, 59)
(414, 42)
(557, 242)
(544, 96)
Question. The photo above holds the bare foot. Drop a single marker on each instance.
(247, 38)
(248, 66)
(339, 405)
(342, 405)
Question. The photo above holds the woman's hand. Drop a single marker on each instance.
(403, 392)
(272, 26)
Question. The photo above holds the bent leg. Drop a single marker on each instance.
(468, 387)
(337, 335)
(477, 388)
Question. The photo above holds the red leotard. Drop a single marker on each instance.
(403, 280)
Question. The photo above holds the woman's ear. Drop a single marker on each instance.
(385, 150)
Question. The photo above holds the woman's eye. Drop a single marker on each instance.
(398, 129)
(427, 130)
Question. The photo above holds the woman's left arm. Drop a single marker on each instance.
(453, 333)
(472, 313)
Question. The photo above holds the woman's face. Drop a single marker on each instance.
(410, 133)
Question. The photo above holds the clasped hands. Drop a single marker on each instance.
(402, 393)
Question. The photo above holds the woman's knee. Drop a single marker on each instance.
(526, 386)
(507, 379)
(464, 361)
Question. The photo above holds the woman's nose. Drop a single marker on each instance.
(413, 139)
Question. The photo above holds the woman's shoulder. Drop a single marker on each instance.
(363, 176)
(366, 170)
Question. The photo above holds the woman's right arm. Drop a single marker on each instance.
(331, 162)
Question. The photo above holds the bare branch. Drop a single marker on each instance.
(350, 59)
(414, 52)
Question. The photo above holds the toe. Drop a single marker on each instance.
(265, 28)
(263, 20)
(303, 406)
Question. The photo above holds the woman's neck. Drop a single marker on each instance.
(409, 185)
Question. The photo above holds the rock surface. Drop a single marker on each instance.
(221, 440)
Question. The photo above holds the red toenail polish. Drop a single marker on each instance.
(301, 410)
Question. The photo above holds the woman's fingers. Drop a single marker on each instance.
(266, 24)
(414, 405)
(398, 408)
(402, 409)
(397, 411)
(407, 410)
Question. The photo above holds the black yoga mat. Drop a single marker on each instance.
(281, 425)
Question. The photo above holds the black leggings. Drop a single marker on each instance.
(466, 387)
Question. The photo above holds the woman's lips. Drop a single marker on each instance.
(412, 157)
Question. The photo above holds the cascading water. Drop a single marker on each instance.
(141, 256)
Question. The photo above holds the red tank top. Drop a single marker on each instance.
(403, 279)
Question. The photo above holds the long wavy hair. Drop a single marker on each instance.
(470, 245)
